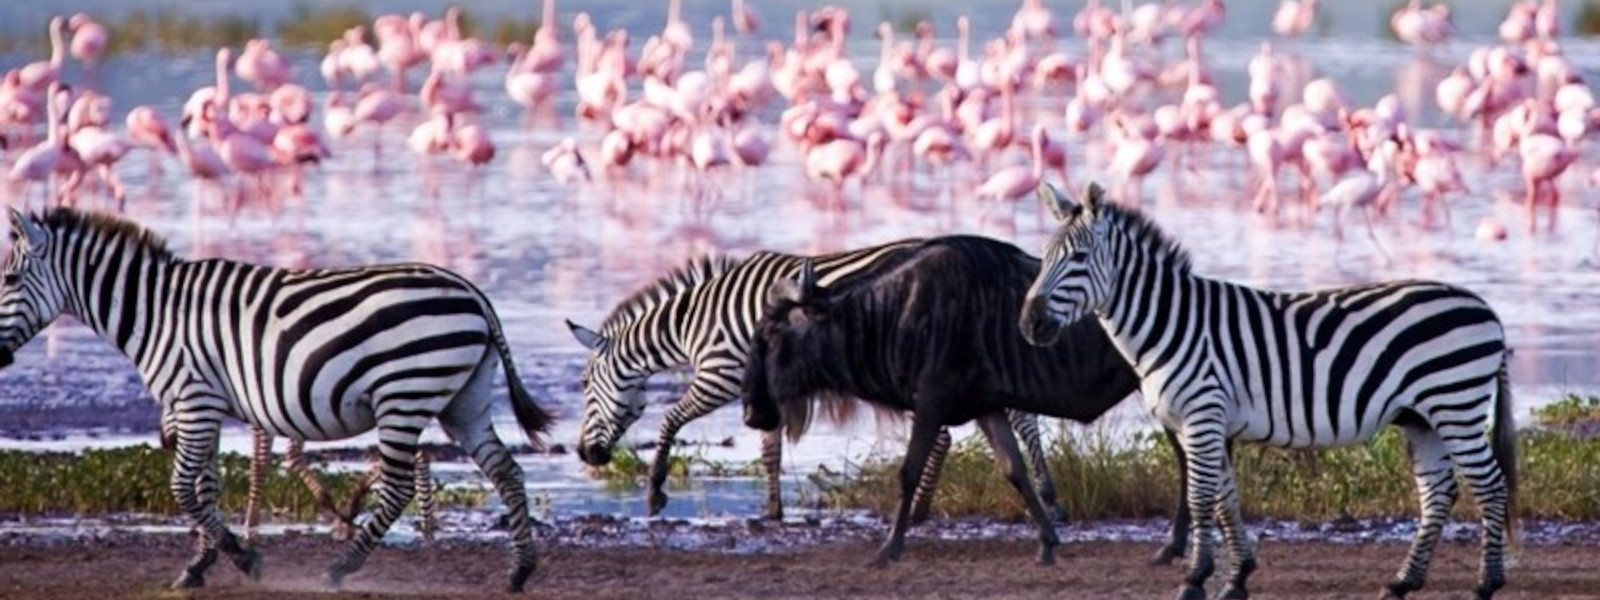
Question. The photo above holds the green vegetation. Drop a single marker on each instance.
(1571, 411)
(1588, 21)
(905, 21)
(135, 480)
(310, 27)
(1100, 479)
(628, 469)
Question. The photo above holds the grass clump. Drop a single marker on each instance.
(1101, 477)
(136, 480)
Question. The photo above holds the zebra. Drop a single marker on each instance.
(304, 354)
(704, 313)
(343, 517)
(1328, 368)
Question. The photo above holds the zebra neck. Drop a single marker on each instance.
(122, 297)
(1152, 308)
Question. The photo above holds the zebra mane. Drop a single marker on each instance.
(1143, 231)
(69, 220)
(681, 278)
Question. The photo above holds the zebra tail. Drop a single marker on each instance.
(535, 421)
(1504, 448)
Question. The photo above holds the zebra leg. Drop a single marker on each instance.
(1027, 427)
(997, 428)
(426, 523)
(1177, 537)
(478, 438)
(1470, 450)
(925, 426)
(397, 445)
(196, 454)
(344, 519)
(772, 463)
(260, 462)
(1436, 487)
(922, 500)
(1204, 448)
(1234, 537)
(692, 406)
(295, 461)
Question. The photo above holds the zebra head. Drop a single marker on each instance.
(29, 297)
(1073, 279)
(613, 396)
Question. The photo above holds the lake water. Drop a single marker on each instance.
(545, 252)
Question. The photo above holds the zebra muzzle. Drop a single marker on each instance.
(594, 455)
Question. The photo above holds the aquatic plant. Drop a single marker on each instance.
(135, 480)
(1103, 477)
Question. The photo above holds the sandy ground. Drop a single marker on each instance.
(140, 565)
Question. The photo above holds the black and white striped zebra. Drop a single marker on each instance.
(1303, 370)
(704, 313)
(303, 354)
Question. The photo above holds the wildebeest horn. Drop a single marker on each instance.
(796, 290)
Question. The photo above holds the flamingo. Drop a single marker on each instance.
(1436, 175)
(566, 163)
(471, 144)
(89, 38)
(261, 66)
(432, 136)
(841, 159)
(745, 20)
(146, 127)
(1361, 190)
(242, 153)
(39, 162)
(99, 149)
(1294, 17)
(1014, 182)
(1544, 158)
(39, 75)
(1134, 157)
(546, 54)
(524, 83)
(1033, 21)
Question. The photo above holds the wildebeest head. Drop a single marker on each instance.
(793, 335)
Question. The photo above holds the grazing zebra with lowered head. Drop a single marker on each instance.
(303, 354)
(1300, 370)
(703, 313)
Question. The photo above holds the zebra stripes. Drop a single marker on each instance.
(704, 313)
(1310, 370)
(303, 354)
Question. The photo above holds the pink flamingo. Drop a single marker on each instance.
(39, 162)
(88, 38)
(841, 159)
(1544, 158)
(201, 161)
(566, 163)
(1436, 174)
(1014, 182)
(526, 85)
(1033, 21)
(1422, 27)
(1134, 157)
(448, 91)
(748, 148)
(147, 128)
(745, 20)
(1518, 24)
(546, 54)
(1294, 17)
(471, 144)
(338, 117)
(398, 48)
(376, 106)
(1361, 190)
(261, 66)
(89, 109)
(243, 154)
(1547, 20)
(432, 136)
(677, 32)
(99, 149)
(39, 75)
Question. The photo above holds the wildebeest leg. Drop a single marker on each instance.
(925, 426)
(997, 428)
(922, 501)
(1027, 427)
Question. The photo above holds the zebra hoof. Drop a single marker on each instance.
(774, 513)
(1191, 592)
(249, 563)
(334, 581)
(189, 581)
(1399, 588)
(519, 579)
(1059, 513)
(1047, 556)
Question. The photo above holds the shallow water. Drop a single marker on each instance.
(544, 252)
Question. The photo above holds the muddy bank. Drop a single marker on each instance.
(139, 565)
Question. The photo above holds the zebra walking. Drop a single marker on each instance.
(303, 354)
(343, 517)
(1311, 370)
(704, 313)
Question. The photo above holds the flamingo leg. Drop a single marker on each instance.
(1371, 233)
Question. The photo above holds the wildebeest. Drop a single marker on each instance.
(934, 334)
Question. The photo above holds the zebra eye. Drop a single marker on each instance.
(1078, 256)
(13, 278)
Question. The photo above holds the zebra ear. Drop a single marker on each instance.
(1053, 201)
(1094, 197)
(23, 227)
(589, 338)
(808, 279)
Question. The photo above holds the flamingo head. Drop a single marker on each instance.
(78, 20)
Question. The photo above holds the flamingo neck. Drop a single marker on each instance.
(56, 55)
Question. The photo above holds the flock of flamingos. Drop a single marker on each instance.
(928, 105)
